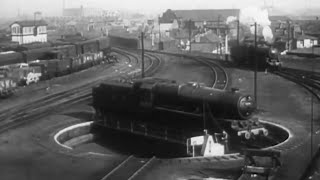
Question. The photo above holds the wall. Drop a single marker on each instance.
(124, 42)
(203, 47)
(296, 62)
(27, 35)
(31, 38)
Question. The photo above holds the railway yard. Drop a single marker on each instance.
(51, 129)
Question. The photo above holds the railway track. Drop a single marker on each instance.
(129, 169)
(44, 106)
(154, 62)
(220, 76)
(310, 81)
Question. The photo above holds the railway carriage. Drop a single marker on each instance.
(48, 62)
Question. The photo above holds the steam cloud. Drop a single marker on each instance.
(231, 19)
(250, 15)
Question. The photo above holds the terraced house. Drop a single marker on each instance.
(25, 32)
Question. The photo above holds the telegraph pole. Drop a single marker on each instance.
(238, 30)
(288, 34)
(255, 63)
(189, 35)
(142, 55)
(159, 34)
(218, 33)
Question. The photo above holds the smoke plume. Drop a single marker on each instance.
(231, 19)
(250, 15)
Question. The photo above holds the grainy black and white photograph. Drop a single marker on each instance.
(159, 90)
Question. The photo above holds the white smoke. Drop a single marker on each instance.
(250, 15)
(231, 19)
(267, 34)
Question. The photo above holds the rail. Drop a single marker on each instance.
(45, 105)
(310, 83)
(130, 168)
(220, 76)
(146, 129)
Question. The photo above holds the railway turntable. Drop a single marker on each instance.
(164, 109)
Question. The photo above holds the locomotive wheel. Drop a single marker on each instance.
(247, 135)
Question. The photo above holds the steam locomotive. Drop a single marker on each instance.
(246, 56)
(180, 106)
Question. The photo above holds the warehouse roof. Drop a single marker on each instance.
(207, 14)
(279, 18)
(199, 15)
(31, 23)
(302, 37)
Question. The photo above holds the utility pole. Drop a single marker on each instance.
(218, 33)
(311, 127)
(189, 35)
(159, 34)
(218, 24)
(142, 55)
(255, 63)
(288, 22)
(238, 30)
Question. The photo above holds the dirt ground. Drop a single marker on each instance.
(279, 101)
(29, 152)
(184, 70)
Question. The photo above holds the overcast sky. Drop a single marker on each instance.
(50, 7)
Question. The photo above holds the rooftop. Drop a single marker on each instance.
(207, 14)
(31, 23)
(199, 15)
(279, 18)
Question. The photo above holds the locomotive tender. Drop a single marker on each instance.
(181, 106)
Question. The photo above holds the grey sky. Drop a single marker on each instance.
(50, 7)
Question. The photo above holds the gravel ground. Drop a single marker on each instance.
(306, 64)
(279, 101)
(285, 103)
(184, 70)
(28, 152)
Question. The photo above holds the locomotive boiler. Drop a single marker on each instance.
(168, 103)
